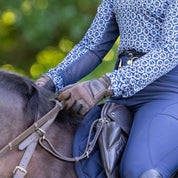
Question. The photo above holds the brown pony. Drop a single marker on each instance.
(22, 103)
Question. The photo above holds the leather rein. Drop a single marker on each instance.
(36, 134)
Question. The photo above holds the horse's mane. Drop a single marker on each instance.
(37, 100)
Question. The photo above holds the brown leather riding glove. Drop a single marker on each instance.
(81, 97)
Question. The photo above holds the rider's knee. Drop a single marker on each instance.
(131, 171)
(151, 173)
(133, 168)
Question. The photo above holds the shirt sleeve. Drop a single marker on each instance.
(89, 52)
(132, 78)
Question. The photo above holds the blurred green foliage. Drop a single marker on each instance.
(35, 35)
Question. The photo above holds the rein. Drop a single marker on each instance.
(89, 146)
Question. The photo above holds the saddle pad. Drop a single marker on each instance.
(91, 167)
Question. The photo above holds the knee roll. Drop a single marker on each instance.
(152, 173)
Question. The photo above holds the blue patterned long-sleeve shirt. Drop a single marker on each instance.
(149, 26)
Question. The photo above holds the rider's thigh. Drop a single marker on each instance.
(153, 141)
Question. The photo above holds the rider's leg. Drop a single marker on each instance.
(153, 141)
(151, 174)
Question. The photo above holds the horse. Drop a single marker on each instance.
(21, 104)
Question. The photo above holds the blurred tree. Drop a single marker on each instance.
(36, 35)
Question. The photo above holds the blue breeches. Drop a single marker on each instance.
(153, 141)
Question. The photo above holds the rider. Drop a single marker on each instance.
(144, 79)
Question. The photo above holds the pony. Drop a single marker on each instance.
(21, 104)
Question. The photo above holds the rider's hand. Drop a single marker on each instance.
(46, 82)
(81, 97)
(42, 80)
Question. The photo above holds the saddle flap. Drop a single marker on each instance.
(114, 135)
(120, 114)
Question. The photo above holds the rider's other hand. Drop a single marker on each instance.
(42, 80)
(81, 97)
(46, 82)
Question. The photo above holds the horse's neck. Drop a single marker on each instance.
(62, 139)
(12, 117)
(59, 134)
(13, 122)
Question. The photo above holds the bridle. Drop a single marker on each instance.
(35, 134)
